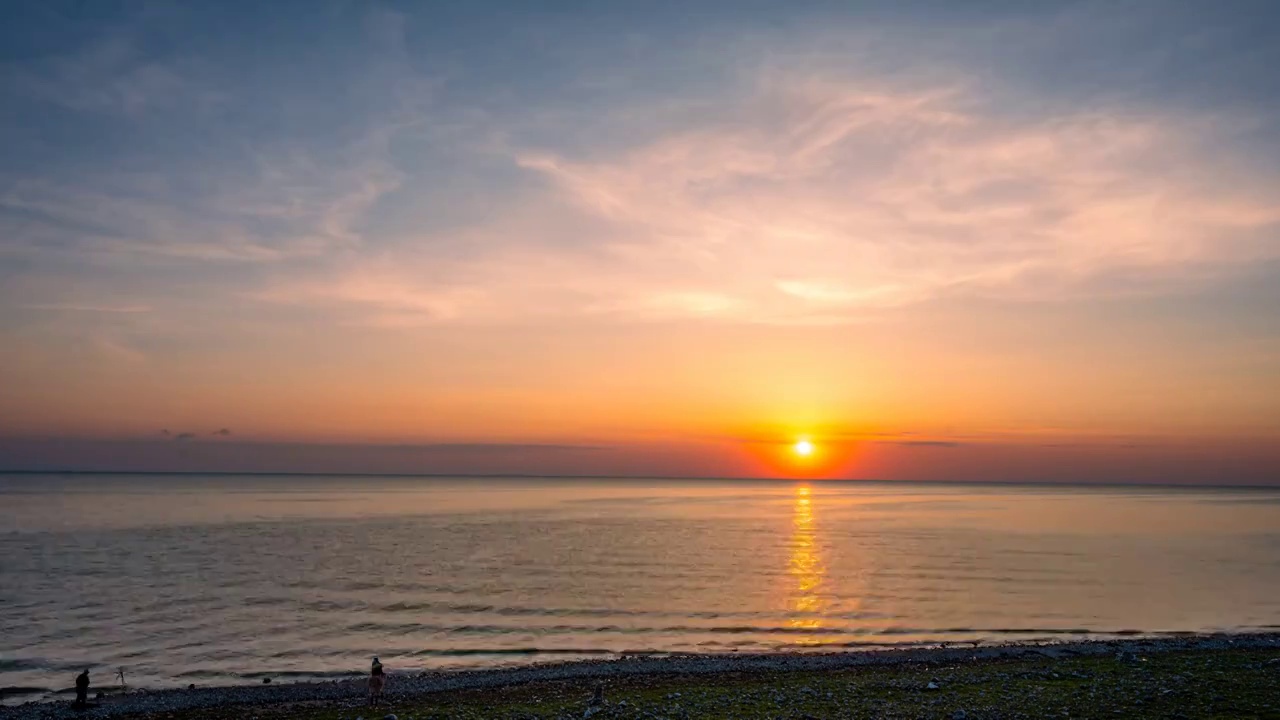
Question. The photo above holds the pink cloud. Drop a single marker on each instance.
(809, 200)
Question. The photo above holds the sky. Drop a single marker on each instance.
(988, 240)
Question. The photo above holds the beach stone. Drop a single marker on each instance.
(389, 716)
(932, 686)
(958, 715)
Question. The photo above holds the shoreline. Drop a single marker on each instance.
(406, 687)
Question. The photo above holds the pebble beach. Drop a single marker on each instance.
(1100, 679)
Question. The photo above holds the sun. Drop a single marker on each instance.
(803, 448)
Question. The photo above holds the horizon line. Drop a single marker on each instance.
(696, 478)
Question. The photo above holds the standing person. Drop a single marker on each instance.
(82, 689)
(377, 681)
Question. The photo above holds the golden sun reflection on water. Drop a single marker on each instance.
(806, 602)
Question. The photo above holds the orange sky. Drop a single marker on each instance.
(937, 254)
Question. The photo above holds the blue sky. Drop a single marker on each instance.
(274, 200)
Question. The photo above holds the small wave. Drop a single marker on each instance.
(14, 690)
(399, 628)
(357, 585)
(526, 611)
(130, 654)
(221, 675)
(22, 664)
(334, 605)
(578, 629)
(483, 609)
(265, 601)
(184, 603)
(332, 674)
(854, 645)
(468, 652)
(201, 675)
(325, 652)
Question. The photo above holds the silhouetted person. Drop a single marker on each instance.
(377, 681)
(82, 689)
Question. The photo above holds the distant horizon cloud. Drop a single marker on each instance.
(1176, 463)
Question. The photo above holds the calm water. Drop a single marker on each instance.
(217, 579)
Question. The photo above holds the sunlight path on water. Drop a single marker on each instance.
(806, 604)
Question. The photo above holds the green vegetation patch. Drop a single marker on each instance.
(1175, 684)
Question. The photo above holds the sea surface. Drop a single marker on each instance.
(226, 579)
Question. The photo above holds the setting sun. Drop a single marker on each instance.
(803, 448)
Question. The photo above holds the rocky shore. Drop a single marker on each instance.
(1227, 675)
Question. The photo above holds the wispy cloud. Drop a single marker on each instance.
(810, 199)
(87, 223)
(864, 198)
(270, 212)
(105, 346)
(789, 192)
(111, 309)
(110, 75)
(201, 194)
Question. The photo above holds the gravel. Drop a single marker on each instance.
(402, 686)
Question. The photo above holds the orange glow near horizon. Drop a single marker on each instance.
(802, 456)
(769, 263)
